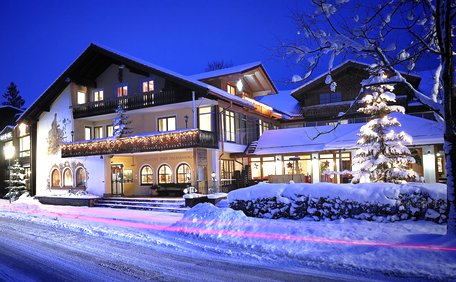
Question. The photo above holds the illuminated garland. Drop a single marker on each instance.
(157, 142)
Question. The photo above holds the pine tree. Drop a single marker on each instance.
(17, 182)
(382, 156)
(121, 123)
(12, 96)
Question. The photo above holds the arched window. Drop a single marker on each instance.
(80, 177)
(67, 178)
(55, 178)
(146, 175)
(183, 173)
(164, 174)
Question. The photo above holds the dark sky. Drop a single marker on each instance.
(40, 39)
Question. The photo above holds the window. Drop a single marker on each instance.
(227, 172)
(97, 95)
(67, 178)
(166, 124)
(98, 132)
(55, 178)
(81, 98)
(87, 133)
(183, 173)
(262, 127)
(24, 146)
(229, 126)
(80, 177)
(148, 86)
(164, 174)
(327, 98)
(146, 175)
(109, 131)
(205, 118)
(231, 89)
(122, 90)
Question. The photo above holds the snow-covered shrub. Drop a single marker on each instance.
(379, 202)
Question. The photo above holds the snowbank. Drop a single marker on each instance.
(371, 201)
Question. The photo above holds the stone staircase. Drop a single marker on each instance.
(151, 204)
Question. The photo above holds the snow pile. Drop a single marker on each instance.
(71, 193)
(373, 201)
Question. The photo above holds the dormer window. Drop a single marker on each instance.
(148, 86)
(122, 90)
(231, 89)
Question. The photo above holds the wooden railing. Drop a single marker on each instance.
(136, 101)
(162, 141)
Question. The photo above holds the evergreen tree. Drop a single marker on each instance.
(121, 123)
(17, 182)
(12, 96)
(382, 156)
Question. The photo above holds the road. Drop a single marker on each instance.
(34, 252)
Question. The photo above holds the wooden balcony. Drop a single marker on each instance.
(136, 101)
(189, 138)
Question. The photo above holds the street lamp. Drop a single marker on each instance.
(9, 151)
(214, 181)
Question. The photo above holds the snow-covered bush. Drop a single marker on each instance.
(379, 201)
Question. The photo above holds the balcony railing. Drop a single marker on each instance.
(188, 138)
(136, 101)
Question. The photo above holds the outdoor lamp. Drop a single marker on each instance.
(9, 151)
(239, 85)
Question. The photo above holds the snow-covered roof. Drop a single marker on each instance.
(345, 136)
(221, 93)
(225, 71)
(282, 102)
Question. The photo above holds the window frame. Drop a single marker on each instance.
(185, 174)
(90, 132)
(95, 129)
(166, 175)
(167, 123)
(141, 175)
(123, 92)
(96, 95)
(148, 81)
(107, 130)
(78, 97)
(230, 88)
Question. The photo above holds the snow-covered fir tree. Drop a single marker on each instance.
(17, 183)
(382, 156)
(121, 123)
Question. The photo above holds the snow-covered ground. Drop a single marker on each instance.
(411, 250)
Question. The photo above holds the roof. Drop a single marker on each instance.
(345, 136)
(95, 59)
(340, 69)
(226, 71)
(282, 102)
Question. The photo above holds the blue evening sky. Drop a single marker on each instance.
(40, 39)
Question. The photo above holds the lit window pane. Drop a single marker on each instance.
(81, 98)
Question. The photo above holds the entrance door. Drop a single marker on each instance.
(117, 180)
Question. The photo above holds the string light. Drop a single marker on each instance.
(148, 143)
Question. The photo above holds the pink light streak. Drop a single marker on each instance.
(270, 236)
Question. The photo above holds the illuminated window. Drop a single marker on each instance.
(98, 95)
(109, 131)
(183, 174)
(148, 86)
(55, 178)
(23, 129)
(24, 146)
(98, 132)
(166, 124)
(146, 175)
(262, 127)
(122, 91)
(81, 98)
(229, 126)
(67, 178)
(231, 89)
(205, 118)
(87, 133)
(80, 177)
(164, 174)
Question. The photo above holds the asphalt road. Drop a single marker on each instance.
(34, 252)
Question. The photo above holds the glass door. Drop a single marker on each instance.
(117, 180)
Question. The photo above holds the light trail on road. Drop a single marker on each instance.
(270, 236)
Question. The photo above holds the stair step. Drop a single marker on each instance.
(142, 203)
(141, 207)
